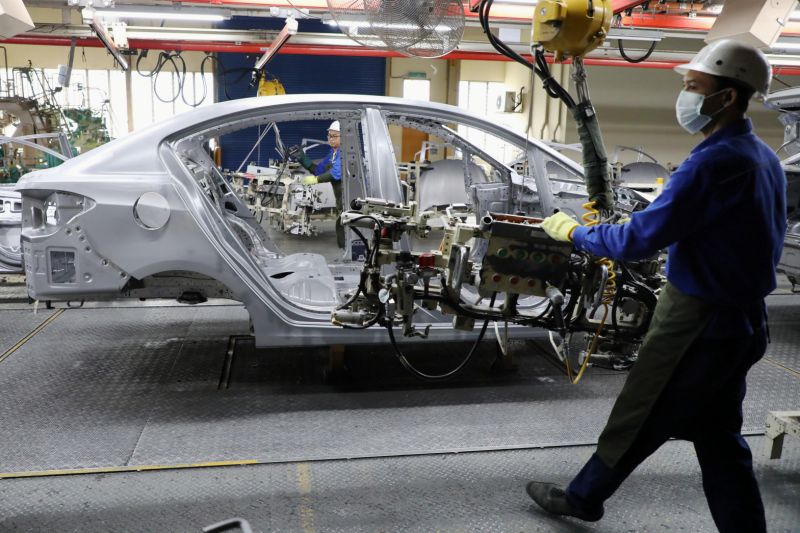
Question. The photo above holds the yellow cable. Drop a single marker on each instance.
(592, 218)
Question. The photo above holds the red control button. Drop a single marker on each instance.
(513, 280)
(496, 278)
(555, 259)
(426, 260)
(531, 283)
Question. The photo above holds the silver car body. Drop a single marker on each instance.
(10, 229)
(150, 214)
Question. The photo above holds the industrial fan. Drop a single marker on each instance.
(417, 28)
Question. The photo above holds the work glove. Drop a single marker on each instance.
(560, 226)
(310, 180)
(295, 152)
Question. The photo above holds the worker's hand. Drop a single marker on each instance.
(560, 226)
(310, 180)
(295, 152)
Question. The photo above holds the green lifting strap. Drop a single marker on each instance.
(595, 160)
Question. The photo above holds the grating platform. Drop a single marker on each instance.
(475, 492)
(128, 386)
(131, 386)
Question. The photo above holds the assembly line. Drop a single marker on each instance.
(482, 286)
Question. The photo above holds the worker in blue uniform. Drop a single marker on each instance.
(328, 170)
(722, 217)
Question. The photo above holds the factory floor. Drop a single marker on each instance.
(153, 416)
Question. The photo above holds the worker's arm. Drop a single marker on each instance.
(330, 168)
(682, 208)
(306, 162)
(296, 152)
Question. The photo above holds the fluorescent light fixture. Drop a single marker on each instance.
(787, 61)
(168, 13)
(786, 45)
(530, 3)
(633, 34)
(366, 25)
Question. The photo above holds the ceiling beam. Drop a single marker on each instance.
(621, 5)
(307, 44)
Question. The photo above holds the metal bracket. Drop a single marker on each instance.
(779, 424)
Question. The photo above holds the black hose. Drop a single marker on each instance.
(483, 16)
(638, 59)
(551, 86)
(436, 377)
(196, 103)
(163, 59)
(174, 58)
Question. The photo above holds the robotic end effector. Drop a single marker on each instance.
(573, 28)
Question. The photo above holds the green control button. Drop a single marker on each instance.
(538, 257)
(502, 253)
(520, 255)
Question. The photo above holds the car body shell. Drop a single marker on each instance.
(150, 215)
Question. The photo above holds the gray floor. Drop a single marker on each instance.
(464, 492)
(132, 386)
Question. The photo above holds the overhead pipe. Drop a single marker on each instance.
(516, 13)
(682, 22)
(319, 50)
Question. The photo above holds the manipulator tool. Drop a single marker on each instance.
(521, 258)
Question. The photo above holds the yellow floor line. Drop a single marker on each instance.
(788, 369)
(118, 469)
(307, 516)
(30, 335)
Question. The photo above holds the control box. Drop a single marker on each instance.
(521, 258)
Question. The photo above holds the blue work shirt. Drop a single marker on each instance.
(334, 159)
(723, 218)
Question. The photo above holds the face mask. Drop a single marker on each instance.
(687, 110)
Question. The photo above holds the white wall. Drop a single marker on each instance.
(436, 70)
(635, 107)
(85, 57)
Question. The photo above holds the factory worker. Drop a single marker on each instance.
(722, 218)
(328, 170)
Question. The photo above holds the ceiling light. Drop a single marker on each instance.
(530, 3)
(358, 24)
(170, 13)
(635, 34)
(786, 45)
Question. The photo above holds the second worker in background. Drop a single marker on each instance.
(328, 170)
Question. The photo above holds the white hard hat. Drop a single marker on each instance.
(334, 126)
(732, 59)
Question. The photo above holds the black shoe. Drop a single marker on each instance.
(553, 499)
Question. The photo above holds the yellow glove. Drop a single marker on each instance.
(560, 226)
(310, 180)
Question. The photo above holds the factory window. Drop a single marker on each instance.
(417, 90)
(155, 99)
(479, 97)
(102, 92)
